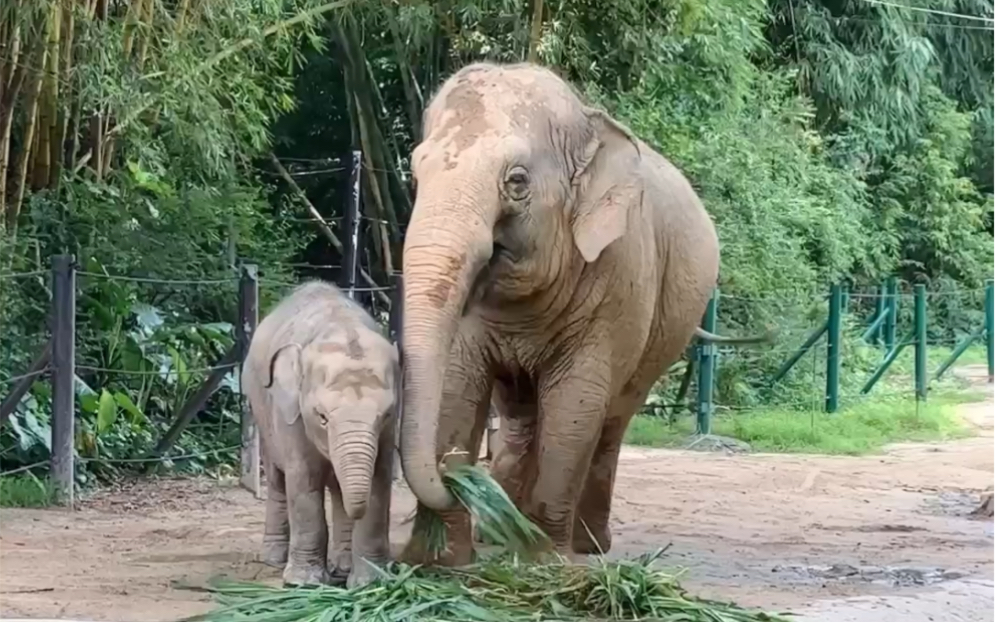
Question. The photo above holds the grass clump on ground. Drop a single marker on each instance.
(504, 588)
(25, 491)
(501, 589)
(861, 428)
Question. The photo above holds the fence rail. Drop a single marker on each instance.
(882, 329)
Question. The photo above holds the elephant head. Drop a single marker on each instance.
(519, 186)
(343, 389)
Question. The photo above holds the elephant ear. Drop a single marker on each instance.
(285, 382)
(606, 184)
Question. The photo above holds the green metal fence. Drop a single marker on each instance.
(881, 330)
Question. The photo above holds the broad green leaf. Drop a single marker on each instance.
(106, 411)
(88, 402)
(136, 415)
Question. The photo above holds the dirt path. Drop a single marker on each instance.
(836, 538)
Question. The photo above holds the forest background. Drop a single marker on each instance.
(830, 140)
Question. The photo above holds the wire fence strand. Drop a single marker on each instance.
(149, 372)
(187, 456)
(159, 459)
(32, 374)
(156, 281)
(22, 275)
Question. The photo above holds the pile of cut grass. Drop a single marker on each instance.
(502, 589)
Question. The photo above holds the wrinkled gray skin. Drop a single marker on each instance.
(320, 378)
(558, 262)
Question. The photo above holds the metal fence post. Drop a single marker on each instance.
(891, 319)
(350, 258)
(834, 331)
(63, 375)
(395, 328)
(706, 368)
(873, 334)
(990, 328)
(248, 319)
(920, 341)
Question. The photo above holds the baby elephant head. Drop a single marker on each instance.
(342, 385)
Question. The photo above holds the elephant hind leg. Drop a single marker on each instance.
(276, 536)
(514, 463)
(591, 532)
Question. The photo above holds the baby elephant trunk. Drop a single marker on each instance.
(353, 455)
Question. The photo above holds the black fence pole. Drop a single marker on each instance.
(248, 319)
(63, 375)
(350, 242)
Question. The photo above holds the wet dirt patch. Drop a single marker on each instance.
(893, 576)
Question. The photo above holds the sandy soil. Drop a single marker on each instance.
(875, 538)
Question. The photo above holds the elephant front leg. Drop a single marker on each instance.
(462, 419)
(371, 538)
(306, 564)
(343, 527)
(276, 535)
(573, 405)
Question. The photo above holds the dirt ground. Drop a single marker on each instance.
(834, 538)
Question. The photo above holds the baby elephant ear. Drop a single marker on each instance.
(607, 185)
(285, 383)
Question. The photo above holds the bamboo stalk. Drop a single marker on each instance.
(10, 67)
(536, 32)
(96, 145)
(368, 103)
(10, 95)
(372, 177)
(412, 94)
(48, 102)
(24, 161)
(181, 15)
(147, 18)
(59, 155)
(323, 225)
(131, 18)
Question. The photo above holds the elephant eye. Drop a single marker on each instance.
(516, 184)
(323, 418)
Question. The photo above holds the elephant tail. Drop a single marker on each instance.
(704, 335)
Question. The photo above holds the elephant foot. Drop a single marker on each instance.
(339, 576)
(585, 545)
(458, 539)
(275, 552)
(416, 552)
(294, 575)
(364, 573)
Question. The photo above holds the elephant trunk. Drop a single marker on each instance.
(445, 248)
(353, 455)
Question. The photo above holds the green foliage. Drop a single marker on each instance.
(25, 491)
(860, 428)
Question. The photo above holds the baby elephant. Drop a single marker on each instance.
(320, 378)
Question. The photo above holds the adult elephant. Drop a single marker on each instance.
(553, 258)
